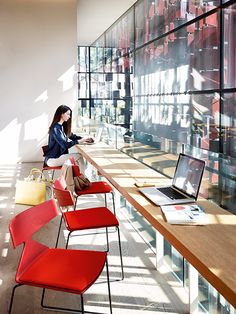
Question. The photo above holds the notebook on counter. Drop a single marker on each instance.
(189, 214)
(185, 185)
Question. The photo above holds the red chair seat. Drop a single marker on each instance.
(90, 218)
(67, 270)
(96, 188)
(48, 168)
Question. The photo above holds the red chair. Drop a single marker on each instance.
(97, 187)
(72, 271)
(47, 168)
(84, 219)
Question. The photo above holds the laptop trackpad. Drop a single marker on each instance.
(154, 195)
(159, 198)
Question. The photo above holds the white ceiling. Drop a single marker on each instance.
(95, 16)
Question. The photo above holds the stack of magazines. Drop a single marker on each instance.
(191, 214)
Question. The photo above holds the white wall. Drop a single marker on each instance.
(38, 57)
(95, 16)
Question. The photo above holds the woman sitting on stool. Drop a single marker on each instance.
(61, 139)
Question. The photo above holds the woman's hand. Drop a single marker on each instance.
(86, 140)
(89, 140)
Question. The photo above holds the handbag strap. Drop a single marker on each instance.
(36, 175)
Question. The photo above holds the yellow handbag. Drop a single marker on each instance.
(31, 190)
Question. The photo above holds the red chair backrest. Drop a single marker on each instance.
(60, 183)
(24, 225)
(63, 196)
(75, 167)
(76, 170)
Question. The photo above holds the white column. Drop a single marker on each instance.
(193, 290)
(232, 310)
(159, 249)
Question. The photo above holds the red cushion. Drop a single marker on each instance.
(90, 218)
(67, 270)
(96, 188)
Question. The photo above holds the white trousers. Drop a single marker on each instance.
(55, 162)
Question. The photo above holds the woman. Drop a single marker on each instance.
(61, 139)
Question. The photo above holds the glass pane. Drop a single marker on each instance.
(96, 59)
(181, 62)
(205, 121)
(154, 18)
(177, 264)
(83, 85)
(229, 46)
(98, 88)
(103, 111)
(100, 42)
(229, 124)
(228, 164)
(83, 110)
(158, 70)
(204, 54)
(163, 117)
(219, 182)
(83, 59)
(227, 183)
(210, 300)
(121, 34)
(174, 260)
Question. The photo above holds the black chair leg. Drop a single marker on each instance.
(105, 197)
(76, 198)
(113, 202)
(107, 240)
(121, 259)
(42, 299)
(82, 303)
(12, 297)
(68, 238)
(59, 309)
(108, 286)
(53, 172)
(59, 230)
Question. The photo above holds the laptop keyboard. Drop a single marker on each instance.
(171, 193)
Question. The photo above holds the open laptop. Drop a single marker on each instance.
(185, 185)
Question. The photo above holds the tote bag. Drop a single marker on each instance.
(31, 190)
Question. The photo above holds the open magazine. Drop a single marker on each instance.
(190, 214)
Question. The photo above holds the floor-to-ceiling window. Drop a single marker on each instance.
(165, 72)
(163, 78)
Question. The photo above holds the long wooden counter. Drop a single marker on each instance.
(211, 249)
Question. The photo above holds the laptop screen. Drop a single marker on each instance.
(188, 175)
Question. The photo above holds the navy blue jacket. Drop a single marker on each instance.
(58, 142)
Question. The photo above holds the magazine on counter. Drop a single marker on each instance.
(190, 214)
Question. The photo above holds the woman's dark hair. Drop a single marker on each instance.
(57, 117)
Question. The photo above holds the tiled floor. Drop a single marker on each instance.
(144, 289)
